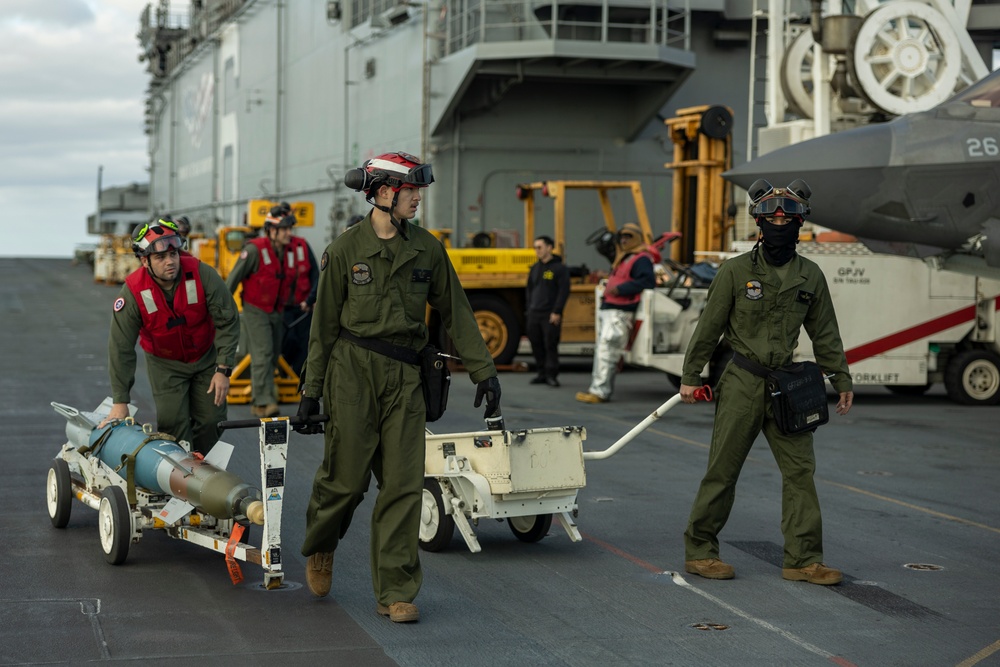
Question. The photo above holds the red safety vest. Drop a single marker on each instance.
(269, 286)
(622, 274)
(182, 331)
(302, 284)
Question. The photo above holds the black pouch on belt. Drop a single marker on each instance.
(798, 397)
(436, 381)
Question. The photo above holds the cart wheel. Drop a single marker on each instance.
(114, 524)
(530, 528)
(436, 527)
(59, 493)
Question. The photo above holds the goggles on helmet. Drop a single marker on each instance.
(156, 237)
(788, 205)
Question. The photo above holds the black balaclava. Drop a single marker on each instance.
(778, 241)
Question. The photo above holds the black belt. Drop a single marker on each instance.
(750, 365)
(397, 352)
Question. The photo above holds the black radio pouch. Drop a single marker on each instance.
(798, 397)
(435, 377)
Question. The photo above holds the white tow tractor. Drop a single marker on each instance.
(524, 476)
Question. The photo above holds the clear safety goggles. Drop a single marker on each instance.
(165, 244)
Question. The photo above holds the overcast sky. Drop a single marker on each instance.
(71, 99)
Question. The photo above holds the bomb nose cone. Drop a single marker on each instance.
(255, 512)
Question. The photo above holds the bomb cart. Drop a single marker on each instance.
(526, 477)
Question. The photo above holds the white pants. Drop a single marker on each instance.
(613, 329)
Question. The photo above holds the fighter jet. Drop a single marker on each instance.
(926, 184)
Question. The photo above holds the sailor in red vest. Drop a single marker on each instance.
(298, 309)
(186, 321)
(631, 273)
(267, 270)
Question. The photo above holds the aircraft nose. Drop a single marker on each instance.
(820, 159)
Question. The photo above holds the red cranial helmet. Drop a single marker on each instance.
(397, 170)
(152, 238)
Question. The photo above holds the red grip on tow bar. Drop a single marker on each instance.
(703, 393)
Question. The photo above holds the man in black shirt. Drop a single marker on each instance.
(547, 291)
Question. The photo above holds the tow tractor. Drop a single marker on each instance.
(525, 476)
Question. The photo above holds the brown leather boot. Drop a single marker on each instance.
(319, 573)
(710, 568)
(400, 612)
(817, 573)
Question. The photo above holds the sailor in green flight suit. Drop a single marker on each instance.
(376, 280)
(758, 302)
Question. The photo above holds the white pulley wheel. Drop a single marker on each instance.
(905, 57)
(796, 74)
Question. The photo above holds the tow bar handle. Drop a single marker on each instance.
(700, 394)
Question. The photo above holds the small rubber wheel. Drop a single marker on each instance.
(59, 493)
(436, 527)
(114, 524)
(530, 528)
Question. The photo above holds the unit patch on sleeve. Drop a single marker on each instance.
(119, 304)
(754, 290)
(361, 274)
(324, 260)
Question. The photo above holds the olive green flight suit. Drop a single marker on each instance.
(265, 332)
(760, 317)
(184, 409)
(380, 289)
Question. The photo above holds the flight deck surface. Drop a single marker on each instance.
(908, 487)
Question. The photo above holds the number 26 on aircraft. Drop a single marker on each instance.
(985, 147)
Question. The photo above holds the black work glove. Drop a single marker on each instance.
(490, 388)
(307, 408)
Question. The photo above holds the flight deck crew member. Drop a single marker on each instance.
(186, 321)
(376, 280)
(758, 302)
(631, 273)
(301, 298)
(267, 270)
(545, 297)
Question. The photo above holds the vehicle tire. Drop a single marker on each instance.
(59, 493)
(436, 527)
(530, 528)
(114, 524)
(973, 378)
(498, 325)
(909, 389)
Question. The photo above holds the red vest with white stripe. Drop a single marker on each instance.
(183, 330)
(622, 274)
(269, 286)
(302, 266)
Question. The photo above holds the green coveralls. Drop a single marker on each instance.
(265, 332)
(760, 317)
(184, 409)
(380, 289)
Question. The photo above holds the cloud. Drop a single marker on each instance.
(72, 100)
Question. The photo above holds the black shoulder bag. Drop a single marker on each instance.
(797, 392)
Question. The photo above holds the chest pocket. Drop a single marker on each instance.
(417, 289)
(364, 305)
(750, 317)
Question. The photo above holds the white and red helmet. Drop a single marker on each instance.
(397, 170)
(160, 236)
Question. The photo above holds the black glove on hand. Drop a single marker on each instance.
(490, 388)
(307, 408)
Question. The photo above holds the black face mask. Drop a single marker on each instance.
(779, 241)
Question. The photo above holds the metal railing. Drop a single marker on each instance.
(653, 22)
